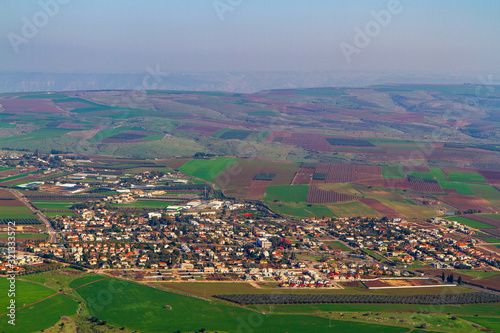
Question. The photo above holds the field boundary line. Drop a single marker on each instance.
(57, 293)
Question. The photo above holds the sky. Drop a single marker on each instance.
(125, 36)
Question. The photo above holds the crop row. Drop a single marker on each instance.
(317, 195)
(463, 298)
(20, 221)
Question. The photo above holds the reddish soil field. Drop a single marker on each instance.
(465, 202)
(204, 130)
(382, 208)
(317, 195)
(315, 142)
(20, 106)
(302, 179)
(492, 177)
(257, 189)
(426, 187)
(337, 173)
(246, 169)
(7, 199)
(174, 163)
(367, 172)
(417, 168)
(483, 219)
(4, 194)
(307, 170)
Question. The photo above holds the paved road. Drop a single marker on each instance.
(52, 232)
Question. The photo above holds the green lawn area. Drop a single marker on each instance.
(477, 274)
(39, 316)
(206, 169)
(139, 307)
(300, 210)
(466, 177)
(469, 223)
(393, 171)
(286, 193)
(6, 168)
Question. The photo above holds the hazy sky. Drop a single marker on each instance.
(125, 36)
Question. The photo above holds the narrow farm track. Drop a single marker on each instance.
(55, 294)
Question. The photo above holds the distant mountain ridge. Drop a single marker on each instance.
(228, 82)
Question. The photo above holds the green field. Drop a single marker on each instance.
(16, 212)
(470, 223)
(411, 211)
(53, 204)
(486, 192)
(286, 193)
(139, 307)
(392, 172)
(466, 177)
(353, 209)
(424, 175)
(301, 209)
(235, 134)
(486, 237)
(438, 174)
(39, 316)
(491, 323)
(206, 169)
(461, 188)
(6, 168)
(337, 245)
(40, 134)
(17, 176)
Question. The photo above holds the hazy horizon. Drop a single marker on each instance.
(449, 38)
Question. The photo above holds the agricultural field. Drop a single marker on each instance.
(37, 316)
(237, 178)
(354, 209)
(206, 169)
(286, 193)
(466, 177)
(151, 314)
(301, 210)
(469, 222)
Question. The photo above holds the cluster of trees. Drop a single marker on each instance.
(450, 278)
(463, 298)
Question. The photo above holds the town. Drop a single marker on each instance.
(151, 225)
